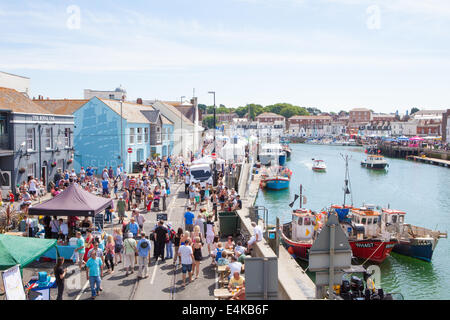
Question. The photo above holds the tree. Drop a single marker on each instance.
(208, 122)
(290, 110)
(414, 110)
(202, 107)
(241, 111)
(314, 111)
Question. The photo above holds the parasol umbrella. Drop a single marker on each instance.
(416, 138)
(402, 138)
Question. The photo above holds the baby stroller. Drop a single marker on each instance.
(156, 204)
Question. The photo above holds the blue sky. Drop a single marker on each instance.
(332, 54)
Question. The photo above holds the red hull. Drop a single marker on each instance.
(377, 250)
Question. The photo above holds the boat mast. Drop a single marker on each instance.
(346, 180)
(301, 196)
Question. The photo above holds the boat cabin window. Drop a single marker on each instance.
(375, 220)
(401, 219)
(300, 221)
(369, 221)
(394, 218)
(363, 221)
(306, 221)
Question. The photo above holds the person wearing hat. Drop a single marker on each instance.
(133, 227)
(144, 247)
(129, 250)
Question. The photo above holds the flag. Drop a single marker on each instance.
(295, 199)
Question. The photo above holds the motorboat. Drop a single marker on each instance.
(376, 162)
(319, 165)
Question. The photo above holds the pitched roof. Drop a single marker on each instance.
(151, 115)
(268, 114)
(360, 109)
(161, 105)
(130, 111)
(15, 101)
(310, 118)
(427, 112)
(166, 120)
(61, 106)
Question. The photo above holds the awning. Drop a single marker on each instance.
(74, 201)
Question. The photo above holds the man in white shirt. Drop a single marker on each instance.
(234, 266)
(257, 237)
(63, 229)
(187, 257)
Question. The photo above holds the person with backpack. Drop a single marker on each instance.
(170, 242)
(144, 247)
(161, 236)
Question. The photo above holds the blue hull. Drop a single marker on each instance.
(277, 184)
(282, 160)
(419, 251)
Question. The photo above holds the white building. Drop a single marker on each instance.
(187, 134)
(118, 94)
(397, 128)
(12, 81)
(410, 127)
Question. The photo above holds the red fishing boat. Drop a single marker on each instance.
(366, 235)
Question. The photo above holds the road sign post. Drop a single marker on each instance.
(130, 150)
(329, 255)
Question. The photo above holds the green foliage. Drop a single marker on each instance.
(241, 111)
(314, 111)
(202, 107)
(208, 122)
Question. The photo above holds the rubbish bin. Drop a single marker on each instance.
(229, 223)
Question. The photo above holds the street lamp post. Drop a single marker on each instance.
(181, 120)
(214, 151)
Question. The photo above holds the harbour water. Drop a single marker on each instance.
(421, 190)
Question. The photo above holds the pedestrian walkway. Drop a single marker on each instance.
(164, 281)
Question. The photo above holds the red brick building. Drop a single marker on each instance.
(429, 127)
(360, 115)
(269, 117)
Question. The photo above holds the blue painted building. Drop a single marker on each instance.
(106, 129)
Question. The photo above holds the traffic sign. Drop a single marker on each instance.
(130, 150)
(214, 156)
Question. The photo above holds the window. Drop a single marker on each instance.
(300, 221)
(30, 138)
(30, 169)
(139, 135)
(401, 219)
(67, 138)
(131, 135)
(111, 96)
(307, 221)
(48, 138)
(363, 221)
(375, 220)
(146, 135)
(369, 221)
(394, 218)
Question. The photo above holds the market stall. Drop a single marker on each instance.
(73, 201)
(22, 250)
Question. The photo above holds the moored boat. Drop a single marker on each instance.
(277, 178)
(413, 241)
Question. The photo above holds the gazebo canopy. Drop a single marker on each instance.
(74, 201)
(22, 250)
